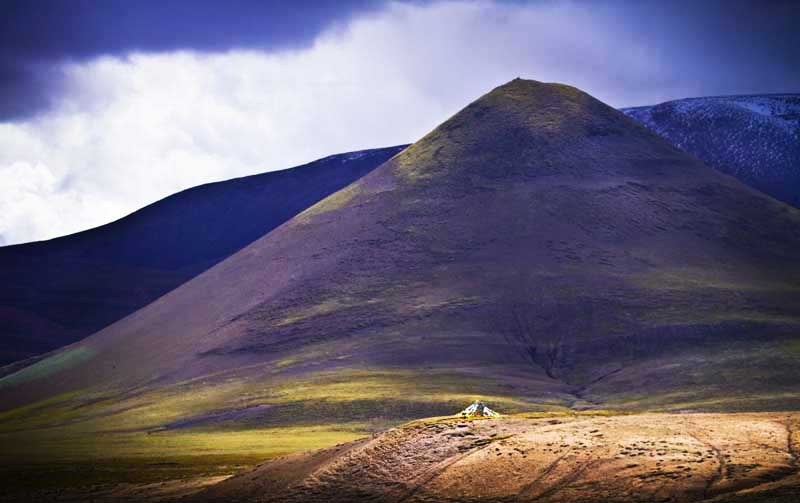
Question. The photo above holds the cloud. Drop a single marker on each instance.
(127, 130)
(34, 36)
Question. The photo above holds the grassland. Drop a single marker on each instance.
(200, 428)
(56, 460)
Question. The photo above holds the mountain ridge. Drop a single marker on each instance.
(57, 291)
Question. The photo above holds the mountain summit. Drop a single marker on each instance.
(539, 249)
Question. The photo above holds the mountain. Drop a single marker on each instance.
(56, 292)
(59, 291)
(754, 138)
(539, 250)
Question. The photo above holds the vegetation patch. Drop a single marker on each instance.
(333, 202)
(48, 366)
(691, 279)
(85, 460)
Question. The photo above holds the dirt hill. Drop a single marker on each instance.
(732, 458)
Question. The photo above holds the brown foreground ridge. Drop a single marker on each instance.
(651, 457)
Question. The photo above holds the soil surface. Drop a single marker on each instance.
(160, 492)
(678, 458)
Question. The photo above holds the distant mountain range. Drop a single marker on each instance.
(754, 138)
(55, 292)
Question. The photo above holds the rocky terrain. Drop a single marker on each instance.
(639, 458)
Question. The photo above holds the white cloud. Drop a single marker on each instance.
(129, 131)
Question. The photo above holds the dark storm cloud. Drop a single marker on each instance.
(35, 34)
(754, 44)
(748, 45)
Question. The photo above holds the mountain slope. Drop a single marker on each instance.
(754, 138)
(539, 249)
(55, 292)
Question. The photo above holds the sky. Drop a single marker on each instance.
(109, 105)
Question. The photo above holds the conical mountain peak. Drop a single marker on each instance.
(523, 127)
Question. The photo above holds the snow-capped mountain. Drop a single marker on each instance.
(754, 138)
